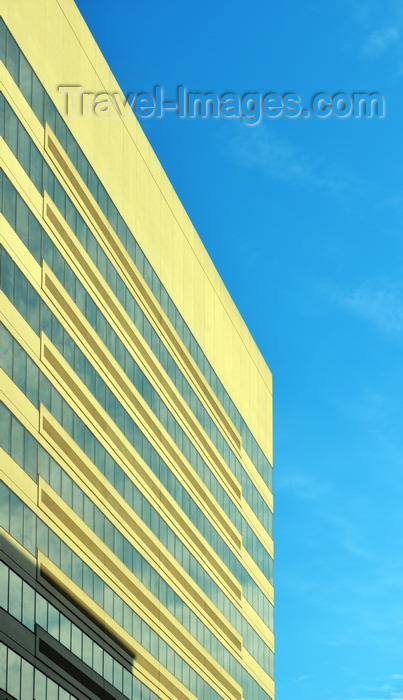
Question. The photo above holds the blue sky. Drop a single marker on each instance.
(304, 221)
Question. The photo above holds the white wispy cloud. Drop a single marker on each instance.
(382, 305)
(399, 71)
(302, 485)
(383, 694)
(363, 12)
(380, 28)
(343, 522)
(388, 690)
(379, 41)
(395, 201)
(260, 148)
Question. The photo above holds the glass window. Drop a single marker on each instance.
(3, 36)
(88, 512)
(32, 388)
(78, 432)
(14, 674)
(98, 591)
(58, 265)
(29, 539)
(24, 149)
(27, 679)
(123, 233)
(80, 297)
(19, 366)
(170, 662)
(156, 285)
(3, 586)
(118, 609)
(3, 666)
(54, 548)
(77, 570)
(128, 491)
(136, 689)
(41, 612)
(50, 113)
(28, 606)
(70, 281)
(66, 562)
(127, 683)
(12, 58)
(109, 534)
(9, 193)
(108, 601)
(127, 554)
(120, 415)
(64, 695)
(98, 659)
(20, 292)
(49, 180)
(76, 641)
(111, 276)
(139, 259)
(108, 667)
(55, 476)
(99, 523)
(71, 214)
(80, 364)
(38, 98)
(127, 619)
(102, 197)
(109, 467)
(164, 299)
(137, 564)
(67, 488)
(71, 148)
(119, 544)
(53, 621)
(65, 631)
(145, 635)
(61, 131)
(117, 675)
(88, 583)
(89, 444)
(82, 165)
(91, 311)
(5, 428)
(6, 351)
(102, 262)
(46, 315)
(44, 390)
(15, 601)
(22, 221)
(43, 536)
(52, 690)
(113, 217)
(92, 182)
(60, 197)
(154, 644)
(40, 685)
(87, 650)
(81, 231)
(16, 517)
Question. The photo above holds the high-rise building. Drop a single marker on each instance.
(135, 408)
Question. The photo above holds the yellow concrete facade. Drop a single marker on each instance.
(145, 481)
